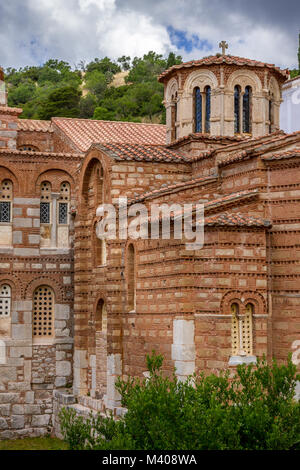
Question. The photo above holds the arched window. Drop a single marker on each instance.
(100, 249)
(131, 294)
(6, 196)
(207, 108)
(247, 105)
(271, 112)
(235, 330)
(5, 300)
(247, 340)
(43, 313)
(45, 204)
(242, 331)
(101, 317)
(237, 109)
(197, 110)
(28, 148)
(63, 203)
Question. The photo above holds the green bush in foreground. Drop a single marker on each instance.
(254, 410)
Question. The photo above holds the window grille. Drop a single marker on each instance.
(242, 331)
(5, 211)
(64, 191)
(5, 300)
(5, 201)
(45, 211)
(43, 312)
(63, 213)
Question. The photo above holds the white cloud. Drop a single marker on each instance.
(33, 31)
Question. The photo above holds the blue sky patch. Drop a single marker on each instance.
(182, 40)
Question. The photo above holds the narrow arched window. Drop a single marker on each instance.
(43, 313)
(197, 110)
(131, 294)
(247, 339)
(6, 196)
(207, 108)
(247, 110)
(271, 113)
(63, 203)
(100, 249)
(237, 109)
(45, 204)
(5, 300)
(235, 330)
(101, 316)
(176, 114)
(98, 185)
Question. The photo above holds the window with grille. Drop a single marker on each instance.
(45, 205)
(43, 312)
(6, 201)
(29, 148)
(5, 300)
(241, 331)
(207, 108)
(63, 204)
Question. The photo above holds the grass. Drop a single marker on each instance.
(34, 443)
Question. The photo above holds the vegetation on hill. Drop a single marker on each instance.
(254, 410)
(55, 89)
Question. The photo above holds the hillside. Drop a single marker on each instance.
(126, 90)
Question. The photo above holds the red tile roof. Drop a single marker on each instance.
(144, 153)
(227, 59)
(8, 110)
(34, 125)
(230, 198)
(84, 132)
(279, 156)
(173, 188)
(236, 219)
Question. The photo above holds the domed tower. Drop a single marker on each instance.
(222, 95)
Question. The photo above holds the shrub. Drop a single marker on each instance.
(253, 410)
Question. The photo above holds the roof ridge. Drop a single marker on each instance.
(61, 118)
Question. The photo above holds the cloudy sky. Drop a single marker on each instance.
(33, 31)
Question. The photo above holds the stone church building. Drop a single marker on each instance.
(76, 311)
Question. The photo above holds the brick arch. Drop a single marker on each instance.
(15, 283)
(244, 78)
(45, 281)
(55, 176)
(242, 298)
(171, 89)
(200, 78)
(8, 174)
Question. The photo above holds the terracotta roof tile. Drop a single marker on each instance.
(227, 59)
(8, 110)
(171, 188)
(282, 155)
(84, 132)
(34, 125)
(31, 153)
(236, 219)
(229, 198)
(145, 153)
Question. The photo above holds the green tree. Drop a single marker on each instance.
(87, 106)
(104, 66)
(61, 102)
(125, 62)
(96, 82)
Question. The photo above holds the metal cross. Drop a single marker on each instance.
(223, 45)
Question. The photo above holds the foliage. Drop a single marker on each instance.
(61, 102)
(34, 88)
(254, 410)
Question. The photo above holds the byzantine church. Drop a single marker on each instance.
(77, 312)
